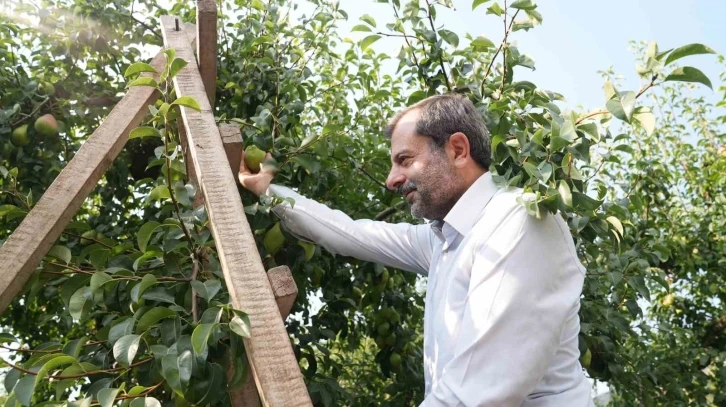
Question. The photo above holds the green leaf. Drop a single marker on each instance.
(361, 27)
(185, 363)
(106, 397)
(523, 5)
(565, 193)
(187, 101)
(686, 50)
(176, 65)
(77, 305)
(153, 316)
(98, 279)
(309, 249)
(567, 131)
(170, 371)
(146, 401)
(646, 119)
(7, 338)
(616, 224)
(120, 329)
(61, 253)
(208, 289)
(200, 336)
(24, 390)
(60, 360)
(610, 91)
(481, 43)
(477, 3)
(85, 402)
(170, 54)
(74, 347)
(368, 19)
(241, 326)
(124, 350)
(144, 131)
(144, 234)
(450, 37)
(638, 283)
(311, 165)
(495, 9)
(138, 67)
(368, 41)
(258, 5)
(688, 74)
(158, 193)
(147, 281)
(622, 106)
(144, 81)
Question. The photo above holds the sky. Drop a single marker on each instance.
(577, 38)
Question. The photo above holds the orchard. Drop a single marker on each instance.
(130, 307)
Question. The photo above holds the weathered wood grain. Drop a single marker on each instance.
(269, 351)
(285, 290)
(207, 46)
(232, 140)
(35, 235)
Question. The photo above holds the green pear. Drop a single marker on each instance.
(20, 136)
(253, 158)
(395, 360)
(46, 126)
(273, 239)
(87, 237)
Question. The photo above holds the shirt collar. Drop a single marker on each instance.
(469, 207)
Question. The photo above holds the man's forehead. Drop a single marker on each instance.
(406, 125)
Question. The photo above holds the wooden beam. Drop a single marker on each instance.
(35, 235)
(272, 360)
(232, 140)
(285, 290)
(207, 46)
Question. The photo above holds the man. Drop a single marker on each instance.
(503, 290)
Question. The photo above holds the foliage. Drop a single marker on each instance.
(132, 298)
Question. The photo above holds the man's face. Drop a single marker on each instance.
(421, 172)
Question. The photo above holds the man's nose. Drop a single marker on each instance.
(395, 180)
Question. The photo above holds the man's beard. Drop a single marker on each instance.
(437, 191)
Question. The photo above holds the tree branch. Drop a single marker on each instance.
(385, 214)
(441, 58)
(147, 27)
(504, 41)
(78, 376)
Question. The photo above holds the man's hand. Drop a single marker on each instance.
(259, 182)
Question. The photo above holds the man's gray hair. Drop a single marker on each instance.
(440, 116)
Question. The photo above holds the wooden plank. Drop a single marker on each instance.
(285, 291)
(207, 46)
(269, 351)
(40, 229)
(284, 288)
(232, 140)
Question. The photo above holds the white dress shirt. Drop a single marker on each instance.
(502, 296)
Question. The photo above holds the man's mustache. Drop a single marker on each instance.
(404, 189)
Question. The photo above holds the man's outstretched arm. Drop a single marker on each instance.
(401, 245)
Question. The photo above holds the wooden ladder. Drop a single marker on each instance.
(212, 155)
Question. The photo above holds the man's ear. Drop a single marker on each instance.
(459, 145)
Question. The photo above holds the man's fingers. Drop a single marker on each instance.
(268, 164)
(242, 166)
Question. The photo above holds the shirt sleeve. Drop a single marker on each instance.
(525, 282)
(402, 245)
